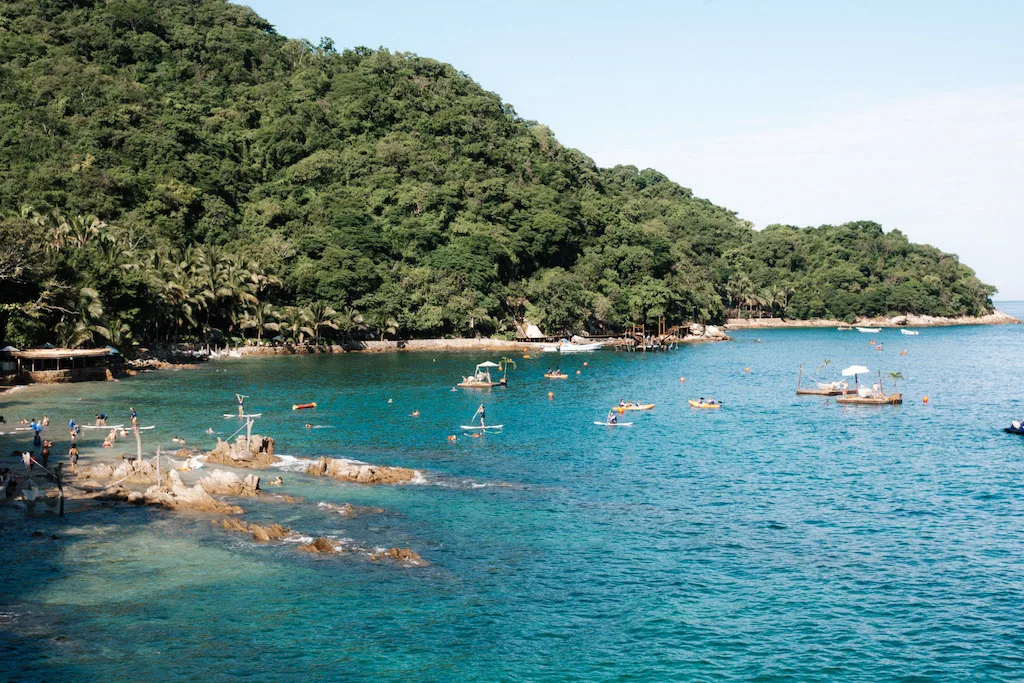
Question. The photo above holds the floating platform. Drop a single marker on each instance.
(890, 400)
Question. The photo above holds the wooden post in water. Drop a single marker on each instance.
(138, 443)
(800, 378)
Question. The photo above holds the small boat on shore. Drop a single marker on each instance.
(910, 333)
(869, 330)
(845, 328)
(706, 406)
(566, 346)
(481, 378)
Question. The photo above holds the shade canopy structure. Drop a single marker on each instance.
(8, 349)
(488, 364)
(855, 370)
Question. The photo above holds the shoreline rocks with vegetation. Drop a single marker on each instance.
(908, 320)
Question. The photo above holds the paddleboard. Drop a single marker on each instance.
(149, 427)
(241, 416)
(478, 427)
(614, 424)
(102, 426)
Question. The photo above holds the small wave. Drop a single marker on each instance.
(289, 463)
(466, 484)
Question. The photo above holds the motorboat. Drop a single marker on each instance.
(566, 346)
(910, 333)
(870, 330)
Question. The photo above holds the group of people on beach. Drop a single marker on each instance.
(36, 426)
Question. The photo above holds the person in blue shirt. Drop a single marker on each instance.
(36, 431)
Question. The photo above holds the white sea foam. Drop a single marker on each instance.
(289, 463)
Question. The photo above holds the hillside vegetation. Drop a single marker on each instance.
(175, 169)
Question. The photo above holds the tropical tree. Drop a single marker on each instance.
(895, 375)
(322, 315)
(262, 318)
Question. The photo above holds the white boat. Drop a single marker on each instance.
(566, 346)
(910, 333)
(871, 330)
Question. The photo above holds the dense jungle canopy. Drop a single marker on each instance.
(176, 170)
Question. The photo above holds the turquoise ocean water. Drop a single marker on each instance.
(780, 538)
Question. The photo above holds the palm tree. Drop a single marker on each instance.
(824, 364)
(322, 315)
(85, 328)
(505, 362)
(895, 376)
(261, 317)
(294, 322)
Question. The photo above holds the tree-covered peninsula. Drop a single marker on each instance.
(176, 170)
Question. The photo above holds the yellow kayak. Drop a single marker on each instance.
(639, 406)
(698, 404)
(553, 375)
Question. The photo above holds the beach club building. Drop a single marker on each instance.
(51, 365)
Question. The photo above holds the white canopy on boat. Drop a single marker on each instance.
(855, 370)
(488, 364)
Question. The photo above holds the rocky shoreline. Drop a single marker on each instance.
(217, 492)
(910, 320)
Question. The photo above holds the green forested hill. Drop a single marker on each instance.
(175, 169)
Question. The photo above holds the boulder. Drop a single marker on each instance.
(406, 556)
(224, 483)
(176, 496)
(128, 471)
(254, 453)
(264, 534)
(360, 473)
(320, 545)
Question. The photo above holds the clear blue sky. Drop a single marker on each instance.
(908, 113)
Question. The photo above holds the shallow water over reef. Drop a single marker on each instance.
(779, 538)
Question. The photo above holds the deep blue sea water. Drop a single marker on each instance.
(781, 538)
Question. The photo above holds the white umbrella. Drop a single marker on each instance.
(488, 364)
(8, 349)
(855, 370)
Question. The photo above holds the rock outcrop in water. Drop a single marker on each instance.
(320, 545)
(175, 495)
(700, 332)
(224, 483)
(127, 472)
(360, 473)
(254, 453)
(406, 556)
(262, 534)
